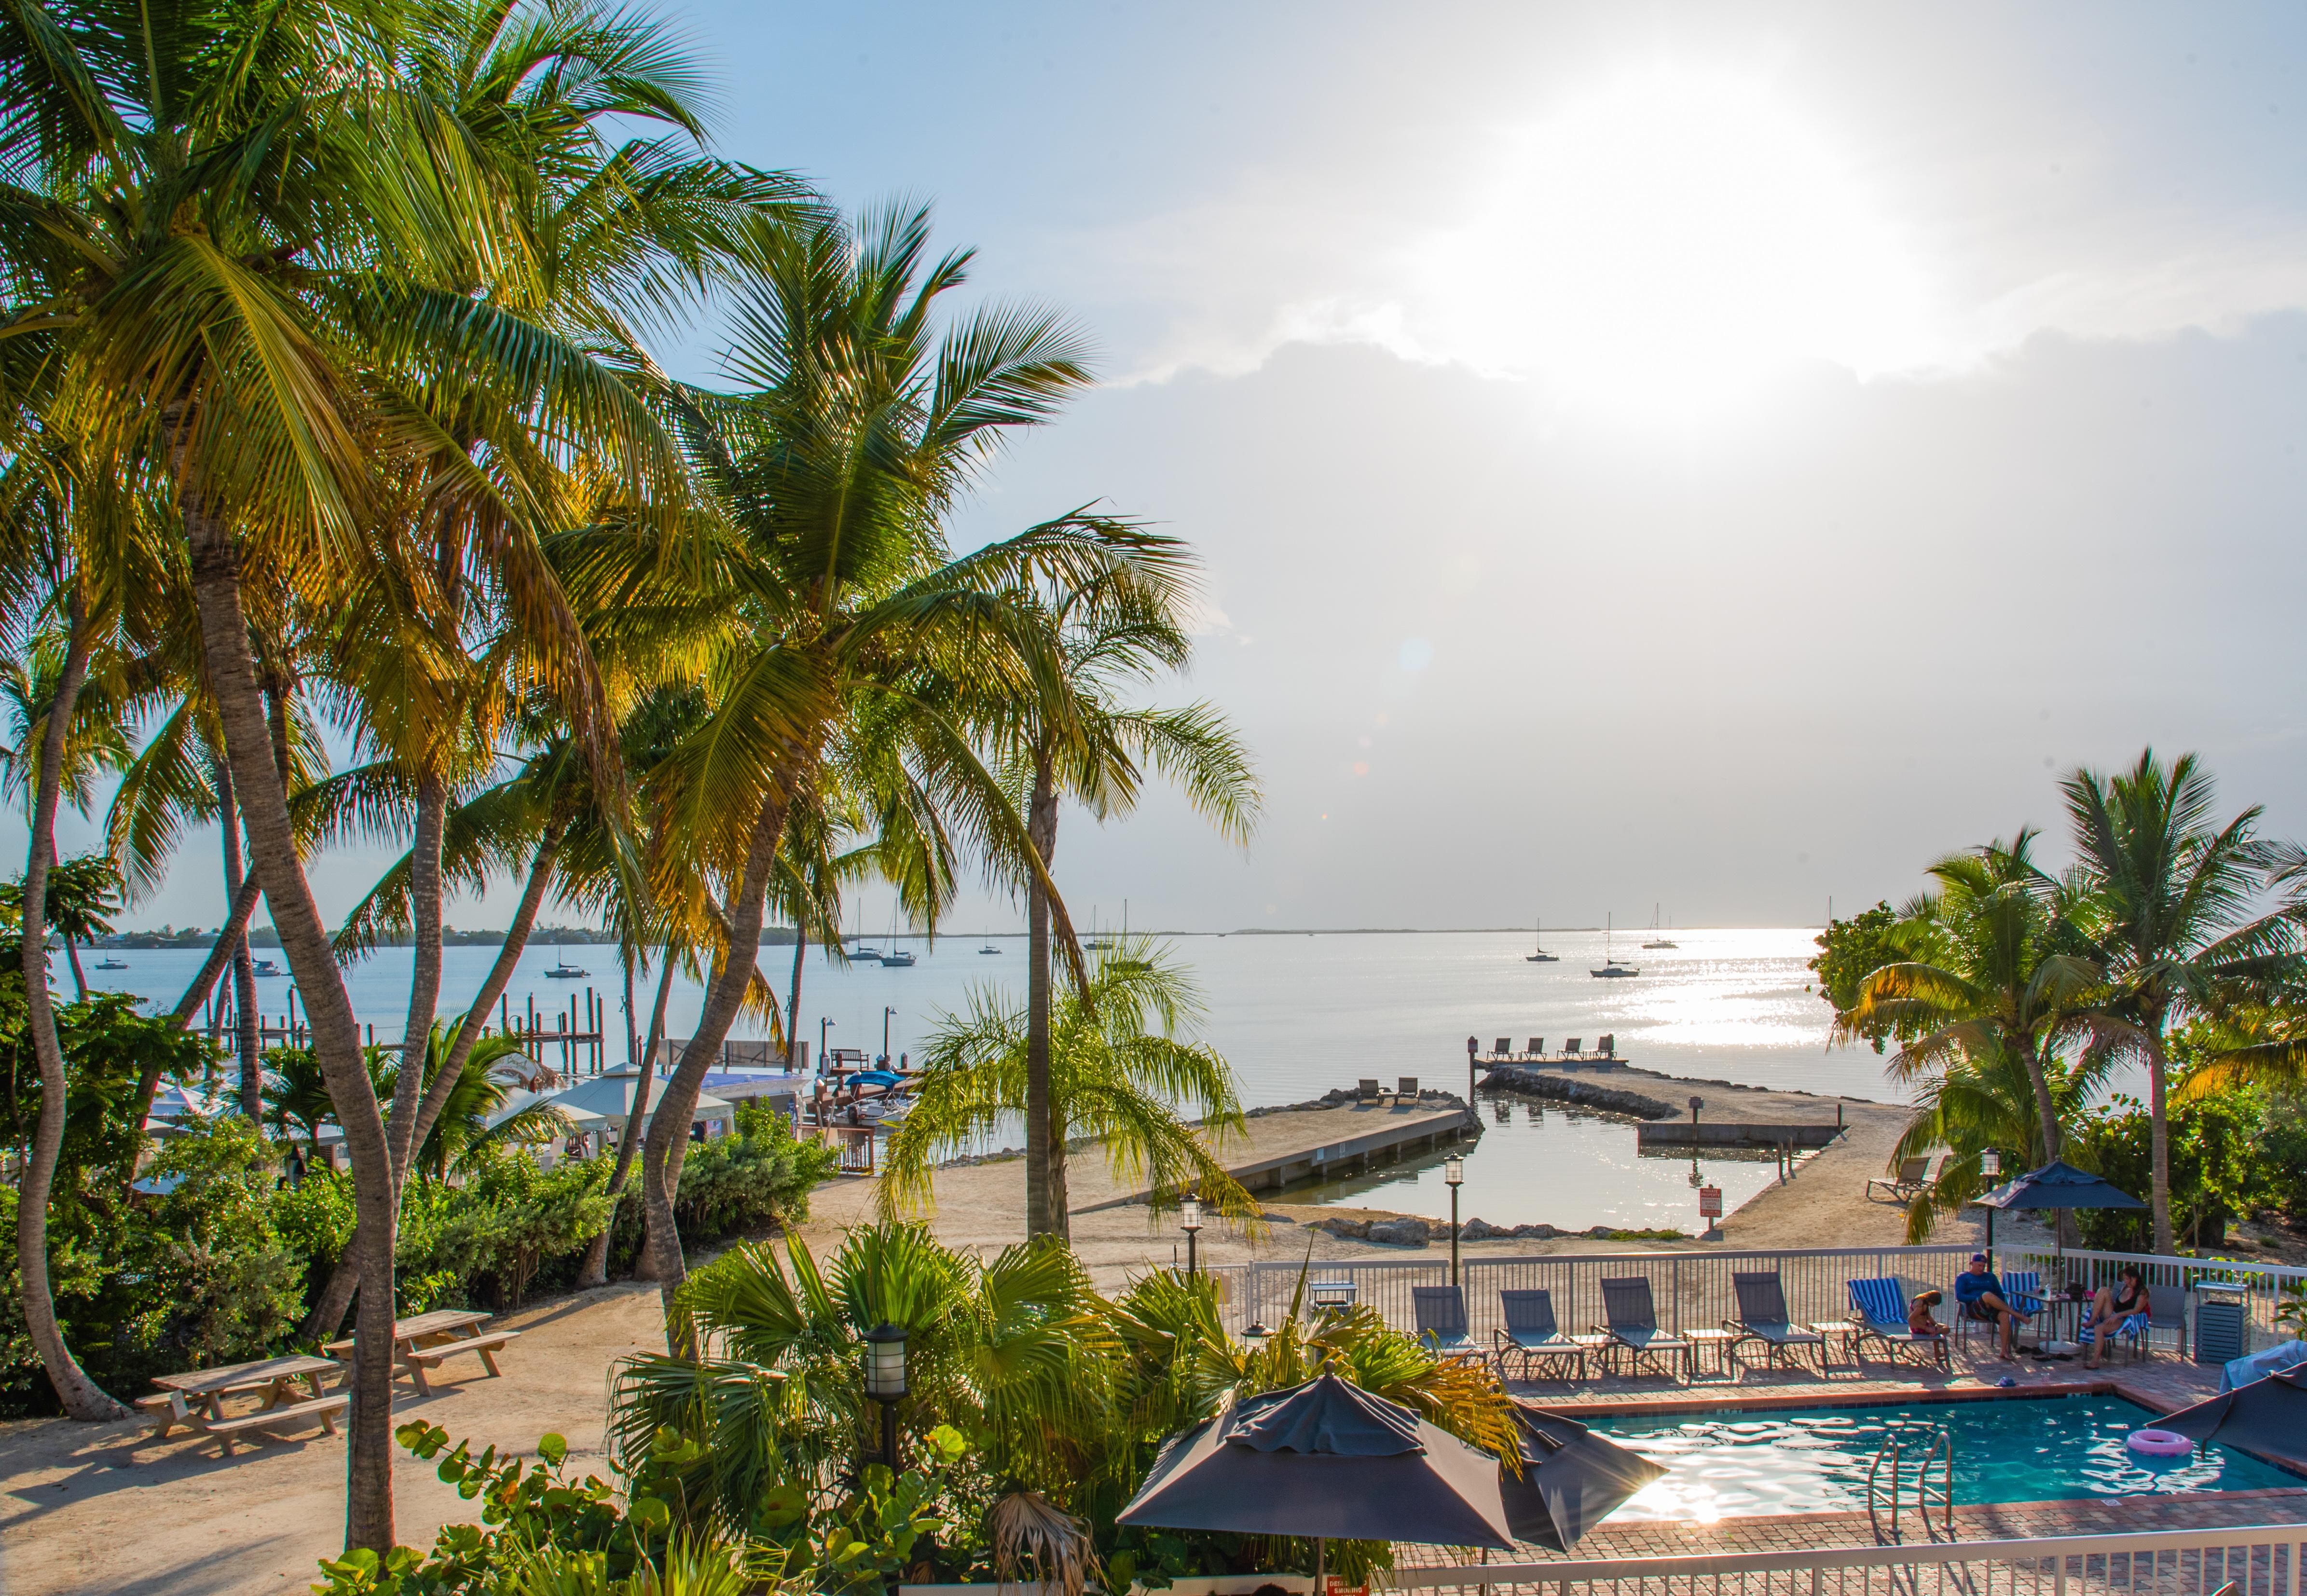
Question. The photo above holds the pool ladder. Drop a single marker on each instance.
(1913, 1472)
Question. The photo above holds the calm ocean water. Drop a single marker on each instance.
(1298, 1014)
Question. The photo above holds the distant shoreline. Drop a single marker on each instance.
(783, 936)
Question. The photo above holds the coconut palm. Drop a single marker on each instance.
(1119, 1072)
(95, 748)
(1996, 964)
(821, 591)
(2171, 909)
(1108, 638)
(297, 1095)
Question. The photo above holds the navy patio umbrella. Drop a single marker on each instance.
(1572, 1479)
(1326, 1460)
(2056, 1185)
(2267, 1416)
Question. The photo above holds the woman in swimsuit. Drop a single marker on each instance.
(2113, 1305)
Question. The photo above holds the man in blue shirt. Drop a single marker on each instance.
(1978, 1291)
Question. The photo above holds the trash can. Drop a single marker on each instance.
(2221, 1332)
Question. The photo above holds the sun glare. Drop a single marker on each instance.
(1667, 243)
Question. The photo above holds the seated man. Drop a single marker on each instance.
(1978, 1291)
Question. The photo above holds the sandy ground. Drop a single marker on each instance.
(102, 1510)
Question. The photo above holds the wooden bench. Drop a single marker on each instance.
(485, 1345)
(421, 1342)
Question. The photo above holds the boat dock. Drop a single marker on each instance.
(1683, 1115)
(1330, 1143)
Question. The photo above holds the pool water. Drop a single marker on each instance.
(1814, 1460)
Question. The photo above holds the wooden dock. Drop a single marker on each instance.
(1307, 1143)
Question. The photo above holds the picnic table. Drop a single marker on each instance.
(195, 1400)
(425, 1340)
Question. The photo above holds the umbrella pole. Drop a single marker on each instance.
(1318, 1565)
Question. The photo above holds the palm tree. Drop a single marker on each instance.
(1985, 1098)
(2170, 907)
(1107, 637)
(83, 894)
(1119, 1072)
(1995, 966)
(822, 592)
(469, 1130)
(297, 1095)
(95, 748)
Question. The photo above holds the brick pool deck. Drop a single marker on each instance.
(2163, 1384)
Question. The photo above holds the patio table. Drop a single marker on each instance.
(422, 1341)
(194, 1400)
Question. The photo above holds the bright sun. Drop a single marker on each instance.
(1664, 244)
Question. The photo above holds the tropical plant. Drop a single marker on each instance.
(2168, 898)
(1990, 963)
(1121, 1075)
(1107, 637)
(821, 613)
(83, 894)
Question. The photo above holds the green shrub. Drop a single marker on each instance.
(732, 1184)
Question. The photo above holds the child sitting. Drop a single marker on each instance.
(1920, 1321)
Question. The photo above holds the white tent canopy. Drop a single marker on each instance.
(610, 1097)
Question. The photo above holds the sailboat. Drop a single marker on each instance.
(1541, 957)
(988, 947)
(1096, 944)
(1611, 970)
(1660, 939)
(894, 957)
(110, 963)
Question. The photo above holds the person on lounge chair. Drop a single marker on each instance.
(1920, 1321)
(1978, 1291)
(2111, 1308)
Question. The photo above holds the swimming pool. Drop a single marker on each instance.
(1737, 1464)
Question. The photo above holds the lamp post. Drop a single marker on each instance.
(1454, 1172)
(1990, 1165)
(1253, 1336)
(823, 1026)
(887, 1015)
(1473, 1046)
(884, 1381)
(1192, 1225)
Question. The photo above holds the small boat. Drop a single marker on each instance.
(989, 948)
(562, 970)
(1611, 970)
(900, 957)
(265, 966)
(1541, 957)
(112, 963)
(1660, 939)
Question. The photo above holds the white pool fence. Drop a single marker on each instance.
(2259, 1561)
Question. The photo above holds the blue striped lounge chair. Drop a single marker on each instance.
(1878, 1308)
(1633, 1325)
(1442, 1321)
(1531, 1335)
(1762, 1316)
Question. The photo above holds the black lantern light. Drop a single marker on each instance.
(1454, 1172)
(1191, 1223)
(884, 1381)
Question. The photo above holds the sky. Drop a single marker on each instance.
(1719, 457)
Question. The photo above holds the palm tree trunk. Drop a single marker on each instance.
(72, 958)
(82, 1397)
(263, 798)
(243, 970)
(2158, 1138)
(500, 973)
(424, 982)
(596, 1271)
(2044, 1110)
(672, 1120)
(793, 1003)
(1044, 1155)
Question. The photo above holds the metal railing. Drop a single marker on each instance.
(1690, 1291)
(2265, 1286)
(2259, 1561)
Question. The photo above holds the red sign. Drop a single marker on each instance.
(1709, 1202)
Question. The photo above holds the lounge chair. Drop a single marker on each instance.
(1369, 1093)
(1607, 1047)
(1762, 1316)
(1536, 1048)
(1406, 1086)
(1634, 1325)
(1570, 1047)
(1878, 1307)
(2167, 1309)
(1530, 1333)
(1442, 1321)
(1914, 1174)
(1504, 1048)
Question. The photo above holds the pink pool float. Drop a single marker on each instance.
(2159, 1443)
